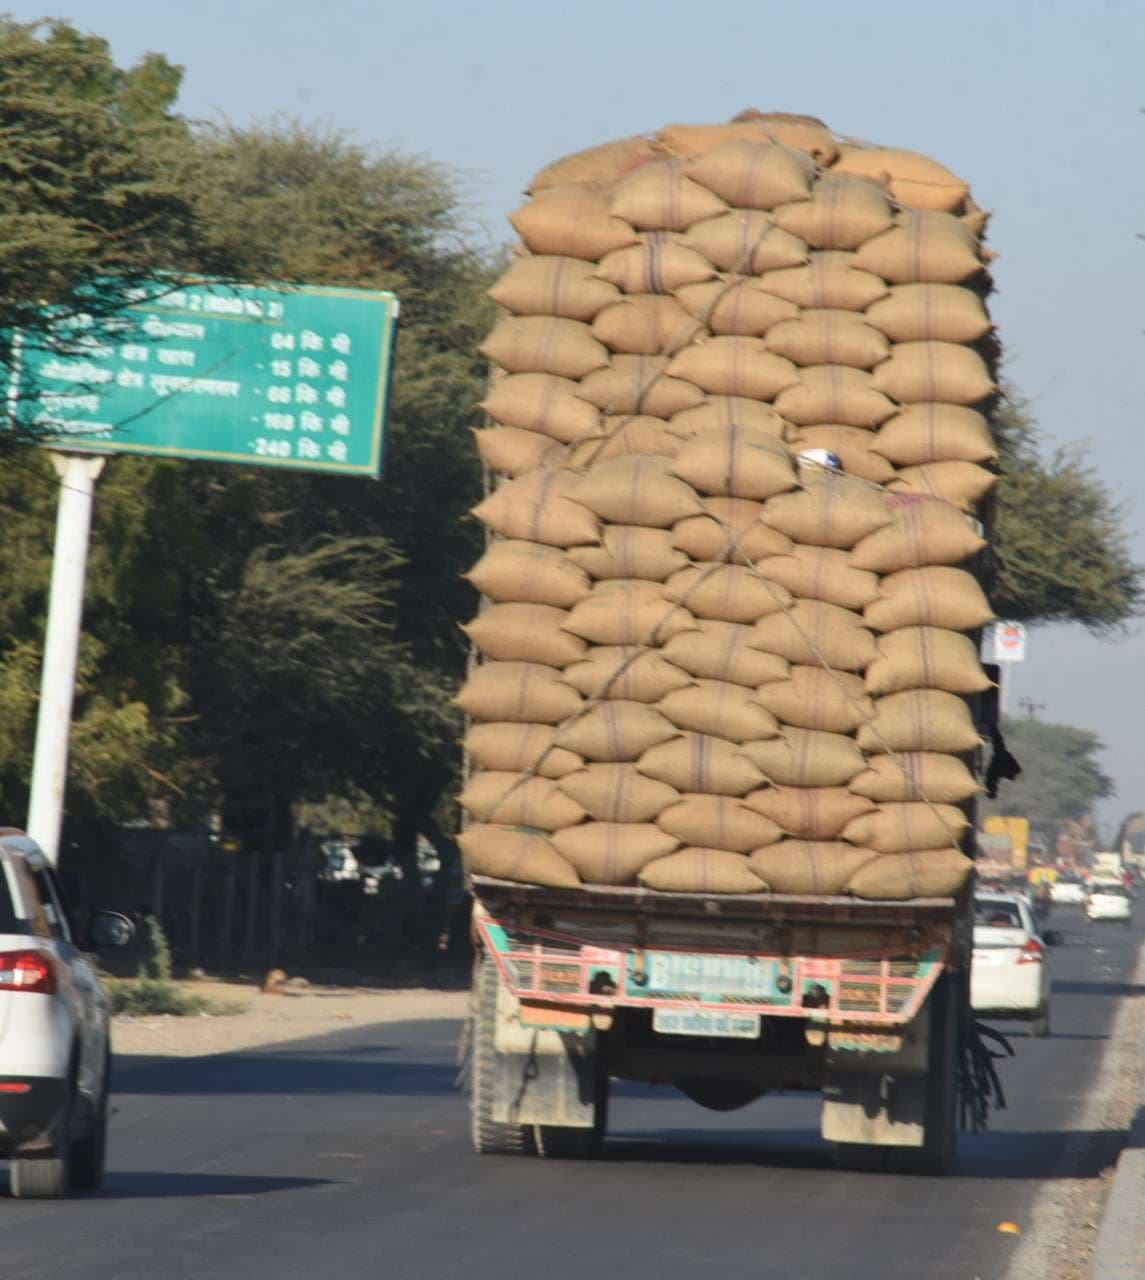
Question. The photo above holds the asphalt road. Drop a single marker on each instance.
(349, 1156)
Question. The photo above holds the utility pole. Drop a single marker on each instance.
(1031, 708)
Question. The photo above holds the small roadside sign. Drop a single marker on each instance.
(1004, 642)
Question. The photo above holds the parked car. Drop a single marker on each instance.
(55, 1056)
(1008, 976)
(1109, 900)
(1068, 889)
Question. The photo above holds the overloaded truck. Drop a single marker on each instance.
(726, 711)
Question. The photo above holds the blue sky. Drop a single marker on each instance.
(1037, 104)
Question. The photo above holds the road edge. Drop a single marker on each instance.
(1120, 1248)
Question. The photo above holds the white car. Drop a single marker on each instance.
(54, 1045)
(1008, 975)
(1109, 901)
(1068, 890)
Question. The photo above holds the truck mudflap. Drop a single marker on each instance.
(858, 981)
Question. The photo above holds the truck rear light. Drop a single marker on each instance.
(27, 971)
(1031, 953)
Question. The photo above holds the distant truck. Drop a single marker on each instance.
(1107, 865)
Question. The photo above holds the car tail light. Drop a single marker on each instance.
(27, 971)
(1031, 953)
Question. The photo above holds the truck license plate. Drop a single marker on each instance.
(706, 1022)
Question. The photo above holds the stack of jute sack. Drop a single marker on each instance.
(736, 441)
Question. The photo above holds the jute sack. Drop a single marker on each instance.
(855, 447)
(842, 213)
(812, 698)
(632, 674)
(519, 800)
(727, 307)
(828, 337)
(645, 324)
(717, 822)
(617, 793)
(905, 828)
(829, 279)
(811, 813)
(734, 367)
(835, 511)
(513, 451)
(821, 573)
(916, 776)
(731, 529)
(571, 222)
(620, 436)
(726, 593)
(616, 731)
(517, 692)
(925, 248)
(746, 243)
(962, 484)
(659, 263)
(696, 762)
(597, 165)
(626, 611)
(544, 344)
(930, 313)
(809, 866)
(660, 196)
(612, 852)
(923, 532)
(806, 758)
(925, 433)
(695, 870)
(834, 393)
(536, 507)
(934, 873)
(914, 180)
(637, 491)
(525, 633)
(509, 853)
(639, 384)
(728, 411)
(546, 285)
(519, 748)
(736, 462)
(721, 651)
(919, 720)
(721, 709)
(917, 372)
(754, 175)
(802, 132)
(512, 571)
(631, 551)
(541, 402)
(935, 597)
(926, 658)
(812, 632)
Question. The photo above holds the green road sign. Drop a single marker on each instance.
(294, 378)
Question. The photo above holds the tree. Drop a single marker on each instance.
(95, 193)
(1061, 779)
(1062, 551)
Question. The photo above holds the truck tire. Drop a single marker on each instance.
(490, 1137)
(559, 1142)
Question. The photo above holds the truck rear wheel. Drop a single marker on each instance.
(490, 1137)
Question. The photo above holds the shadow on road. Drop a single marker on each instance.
(1118, 989)
(175, 1186)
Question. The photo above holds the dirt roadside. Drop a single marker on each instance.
(296, 1014)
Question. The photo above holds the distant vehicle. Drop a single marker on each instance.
(1068, 889)
(1108, 866)
(1109, 900)
(1008, 976)
(55, 1052)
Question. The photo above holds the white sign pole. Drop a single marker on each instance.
(78, 474)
